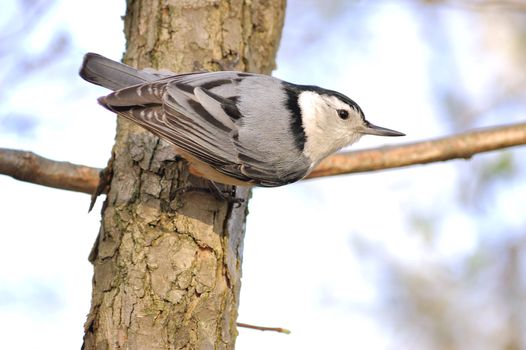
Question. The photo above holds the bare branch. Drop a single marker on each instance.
(27, 166)
(481, 5)
(260, 328)
(452, 147)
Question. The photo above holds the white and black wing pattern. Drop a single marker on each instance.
(199, 114)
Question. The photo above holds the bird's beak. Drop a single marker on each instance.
(371, 129)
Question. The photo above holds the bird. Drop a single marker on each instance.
(234, 128)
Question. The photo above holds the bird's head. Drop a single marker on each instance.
(332, 120)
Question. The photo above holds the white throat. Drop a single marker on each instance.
(324, 132)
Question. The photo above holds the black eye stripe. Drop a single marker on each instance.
(336, 94)
(342, 113)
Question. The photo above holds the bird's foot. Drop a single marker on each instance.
(228, 195)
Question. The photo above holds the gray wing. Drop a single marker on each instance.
(199, 114)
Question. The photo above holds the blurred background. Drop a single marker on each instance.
(425, 257)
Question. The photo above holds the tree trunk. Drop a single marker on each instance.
(167, 263)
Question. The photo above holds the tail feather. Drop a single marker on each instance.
(112, 75)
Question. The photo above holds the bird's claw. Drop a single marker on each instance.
(225, 195)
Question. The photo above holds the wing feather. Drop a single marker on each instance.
(186, 111)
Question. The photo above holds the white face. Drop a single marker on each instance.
(329, 123)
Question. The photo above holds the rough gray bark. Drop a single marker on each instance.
(167, 264)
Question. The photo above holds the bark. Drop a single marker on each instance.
(167, 263)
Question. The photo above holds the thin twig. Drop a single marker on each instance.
(27, 166)
(486, 5)
(260, 328)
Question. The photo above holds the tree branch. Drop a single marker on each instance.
(463, 146)
(488, 4)
(27, 166)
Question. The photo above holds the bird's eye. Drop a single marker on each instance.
(342, 113)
